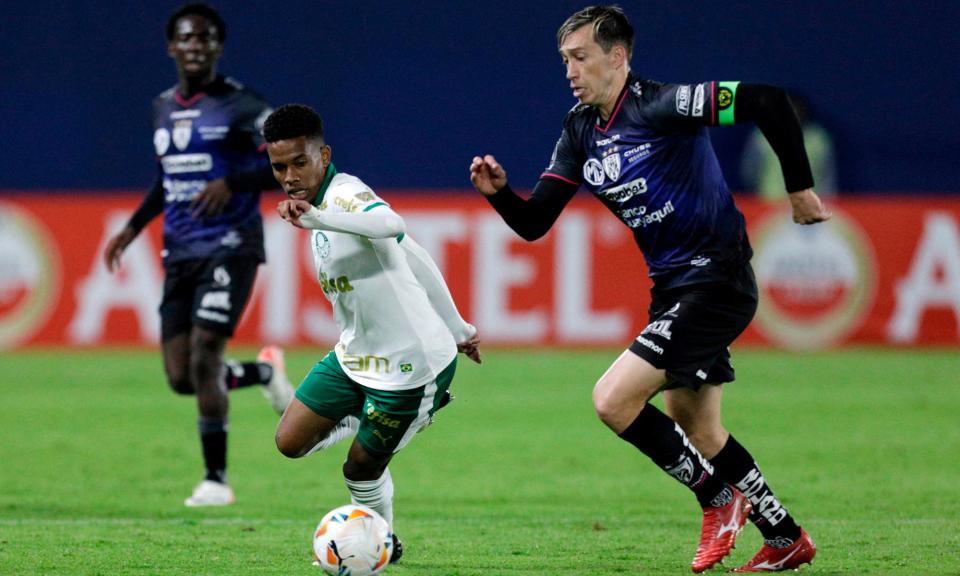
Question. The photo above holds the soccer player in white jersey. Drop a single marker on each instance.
(400, 330)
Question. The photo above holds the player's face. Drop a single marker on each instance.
(593, 74)
(195, 46)
(299, 165)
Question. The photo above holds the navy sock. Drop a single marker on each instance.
(243, 374)
(735, 465)
(213, 440)
(664, 442)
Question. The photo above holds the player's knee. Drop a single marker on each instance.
(610, 408)
(181, 386)
(179, 381)
(287, 446)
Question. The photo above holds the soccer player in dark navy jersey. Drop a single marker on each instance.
(211, 169)
(641, 147)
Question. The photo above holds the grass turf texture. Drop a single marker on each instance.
(516, 477)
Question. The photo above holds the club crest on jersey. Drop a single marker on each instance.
(182, 130)
(161, 141)
(611, 166)
(593, 172)
(321, 245)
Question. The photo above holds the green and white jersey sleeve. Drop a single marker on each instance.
(391, 338)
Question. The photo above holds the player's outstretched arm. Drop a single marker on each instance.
(530, 218)
(381, 222)
(429, 276)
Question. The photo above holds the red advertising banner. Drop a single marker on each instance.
(884, 270)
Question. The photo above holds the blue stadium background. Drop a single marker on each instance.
(411, 91)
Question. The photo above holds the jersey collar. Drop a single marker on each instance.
(213, 87)
(331, 172)
(613, 115)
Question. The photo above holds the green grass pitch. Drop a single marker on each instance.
(516, 477)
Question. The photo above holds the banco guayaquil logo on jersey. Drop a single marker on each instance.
(816, 282)
(29, 275)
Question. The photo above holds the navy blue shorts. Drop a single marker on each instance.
(211, 293)
(691, 327)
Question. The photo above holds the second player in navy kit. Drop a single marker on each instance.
(211, 169)
(641, 147)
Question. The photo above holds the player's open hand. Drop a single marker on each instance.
(116, 246)
(211, 200)
(487, 175)
(807, 207)
(291, 210)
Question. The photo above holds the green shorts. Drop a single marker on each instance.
(388, 418)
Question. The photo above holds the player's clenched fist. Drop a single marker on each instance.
(291, 210)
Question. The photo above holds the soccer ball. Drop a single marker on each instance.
(352, 540)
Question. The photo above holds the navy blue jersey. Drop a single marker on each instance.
(652, 164)
(213, 134)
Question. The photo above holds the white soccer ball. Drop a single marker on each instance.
(352, 540)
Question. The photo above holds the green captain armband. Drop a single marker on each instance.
(726, 96)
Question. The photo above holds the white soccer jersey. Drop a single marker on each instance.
(391, 337)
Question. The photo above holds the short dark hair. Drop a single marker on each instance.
(292, 121)
(610, 27)
(197, 9)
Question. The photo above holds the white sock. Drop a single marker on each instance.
(377, 494)
(345, 428)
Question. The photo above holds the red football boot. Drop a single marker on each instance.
(770, 559)
(719, 531)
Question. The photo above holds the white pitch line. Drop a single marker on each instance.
(132, 521)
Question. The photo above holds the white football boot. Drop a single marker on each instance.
(210, 493)
(278, 391)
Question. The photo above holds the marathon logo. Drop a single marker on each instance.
(650, 344)
(184, 163)
(182, 114)
(609, 140)
(213, 316)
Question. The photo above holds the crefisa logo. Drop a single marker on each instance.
(29, 275)
(816, 283)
